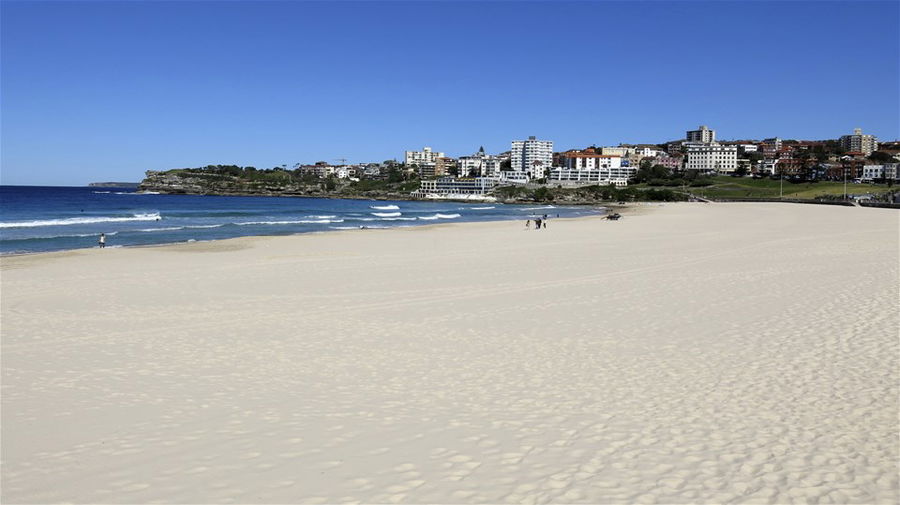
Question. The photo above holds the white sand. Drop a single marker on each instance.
(690, 353)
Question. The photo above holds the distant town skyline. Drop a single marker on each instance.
(96, 91)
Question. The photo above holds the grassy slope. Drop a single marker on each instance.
(743, 187)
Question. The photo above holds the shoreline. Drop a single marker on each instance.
(601, 209)
(307, 233)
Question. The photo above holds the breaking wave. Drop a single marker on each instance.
(79, 220)
(299, 221)
(439, 216)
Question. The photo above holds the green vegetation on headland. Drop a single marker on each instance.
(395, 184)
(236, 180)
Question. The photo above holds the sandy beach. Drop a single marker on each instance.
(702, 353)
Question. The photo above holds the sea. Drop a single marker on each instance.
(39, 219)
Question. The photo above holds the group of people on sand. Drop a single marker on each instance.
(539, 222)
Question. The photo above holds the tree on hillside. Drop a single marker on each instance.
(649, 172)
(881, 157)
(543, 195)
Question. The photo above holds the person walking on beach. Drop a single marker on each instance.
(537, 224)
(102, 241)
(528, 224)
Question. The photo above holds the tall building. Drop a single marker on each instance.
(531, 156)
(771, 147)
(703, 135)
(859, 143)
(425, 156)
(712, 158)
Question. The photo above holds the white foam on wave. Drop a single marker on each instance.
(205, 226)
(136, 193)
(298, 221)
(539, 208)
(172, 228)
(387, 214)
(80, 220)
(481, 208)
(439, 216)
(322, 217)
(385, 207)
(101, 192)
(397, 219)
(72, 235)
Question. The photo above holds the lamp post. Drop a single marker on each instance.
(845, 182)
(780, 184)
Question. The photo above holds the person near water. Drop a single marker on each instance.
(102, 241)
(537, 224)
(528, 224)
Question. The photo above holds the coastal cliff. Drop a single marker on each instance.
(218, 181)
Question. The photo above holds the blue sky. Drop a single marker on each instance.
(95, 91)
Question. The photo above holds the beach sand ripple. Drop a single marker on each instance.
(742, 353)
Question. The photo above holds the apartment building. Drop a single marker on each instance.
(531, 156)
(771, 147)
(425, 156)
(712, 158)
(442, 166)
(701, 135)
(480, 165)
(618, 176)
(588, 158)
(448, 186)
(859, 143)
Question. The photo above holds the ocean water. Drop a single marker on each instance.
(39, 219)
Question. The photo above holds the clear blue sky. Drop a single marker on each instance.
(102, 91)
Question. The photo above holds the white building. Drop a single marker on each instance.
(702, 135)
(618, 176)
(877, 172)
(616, 151)
(872, 172)
(646, 152)
(424, 157)
(712, 158)
(588, 167)
(345, 171)
(531, 156)
(480, 164)
(580, 161)
(450, 187)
